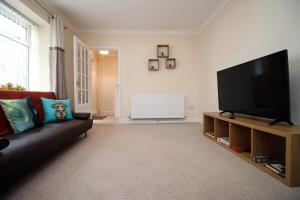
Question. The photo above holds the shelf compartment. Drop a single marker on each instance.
(153, 64)
(209, 127)
(208, 124)
(221, 128)
(240, 136)
(162, 51)
(263, 144)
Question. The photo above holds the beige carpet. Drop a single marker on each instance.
(148, 162)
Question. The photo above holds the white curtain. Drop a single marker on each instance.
(57, 58)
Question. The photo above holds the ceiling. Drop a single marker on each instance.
(137, 15)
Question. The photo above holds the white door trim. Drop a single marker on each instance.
(77, 107)
(118, 98)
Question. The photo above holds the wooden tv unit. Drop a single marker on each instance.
(281, 142)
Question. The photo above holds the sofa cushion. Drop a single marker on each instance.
(21, 113)
(56, 110)
(30, 147)
(83, 116)
(5, 127)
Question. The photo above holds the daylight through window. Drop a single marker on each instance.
(15, 34)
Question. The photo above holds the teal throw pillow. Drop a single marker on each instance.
(56, 110)
(21, 114)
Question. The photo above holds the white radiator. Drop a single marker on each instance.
(157, 107)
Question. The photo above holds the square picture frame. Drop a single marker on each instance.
(162, 51)
(153, 64)
(170, 63)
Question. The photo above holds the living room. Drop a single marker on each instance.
(167, 95)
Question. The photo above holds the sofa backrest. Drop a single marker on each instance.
(5, 127)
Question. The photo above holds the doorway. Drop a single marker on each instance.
(105, 84)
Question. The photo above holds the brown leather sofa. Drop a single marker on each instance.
(27, 149)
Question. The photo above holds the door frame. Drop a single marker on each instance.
(118, 97)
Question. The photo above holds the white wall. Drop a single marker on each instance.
(245, 30)
(242, 31)
(136, 49)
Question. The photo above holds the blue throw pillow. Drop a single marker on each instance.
(56, 110)
(21, 114)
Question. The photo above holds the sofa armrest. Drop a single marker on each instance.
(82, 116)
(3, 143)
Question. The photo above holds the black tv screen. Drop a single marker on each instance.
(259, 87)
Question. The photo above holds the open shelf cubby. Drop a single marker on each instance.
(264, 143)
(209, 124)
(221, 128)
(279, 142)
(241, 136)
(268, 144)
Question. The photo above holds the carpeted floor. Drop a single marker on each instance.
(147, 162)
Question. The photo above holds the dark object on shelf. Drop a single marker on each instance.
(224, 140)
(231, 116)
(170, 63)
(277, 165)
(277, 121)
(211, 134)
(278, 168)
(261, 159)
(162, 51)
(3, 143)
(240, 149)
(263, 86)
(153, 65)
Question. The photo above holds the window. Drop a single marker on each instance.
(15, 44)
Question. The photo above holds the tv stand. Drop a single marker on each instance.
(281, 142)
(276, 121)
(231, 116)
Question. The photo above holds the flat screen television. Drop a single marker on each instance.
(259, 87)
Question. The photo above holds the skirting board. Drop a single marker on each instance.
(105, 122)
(162, 121)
